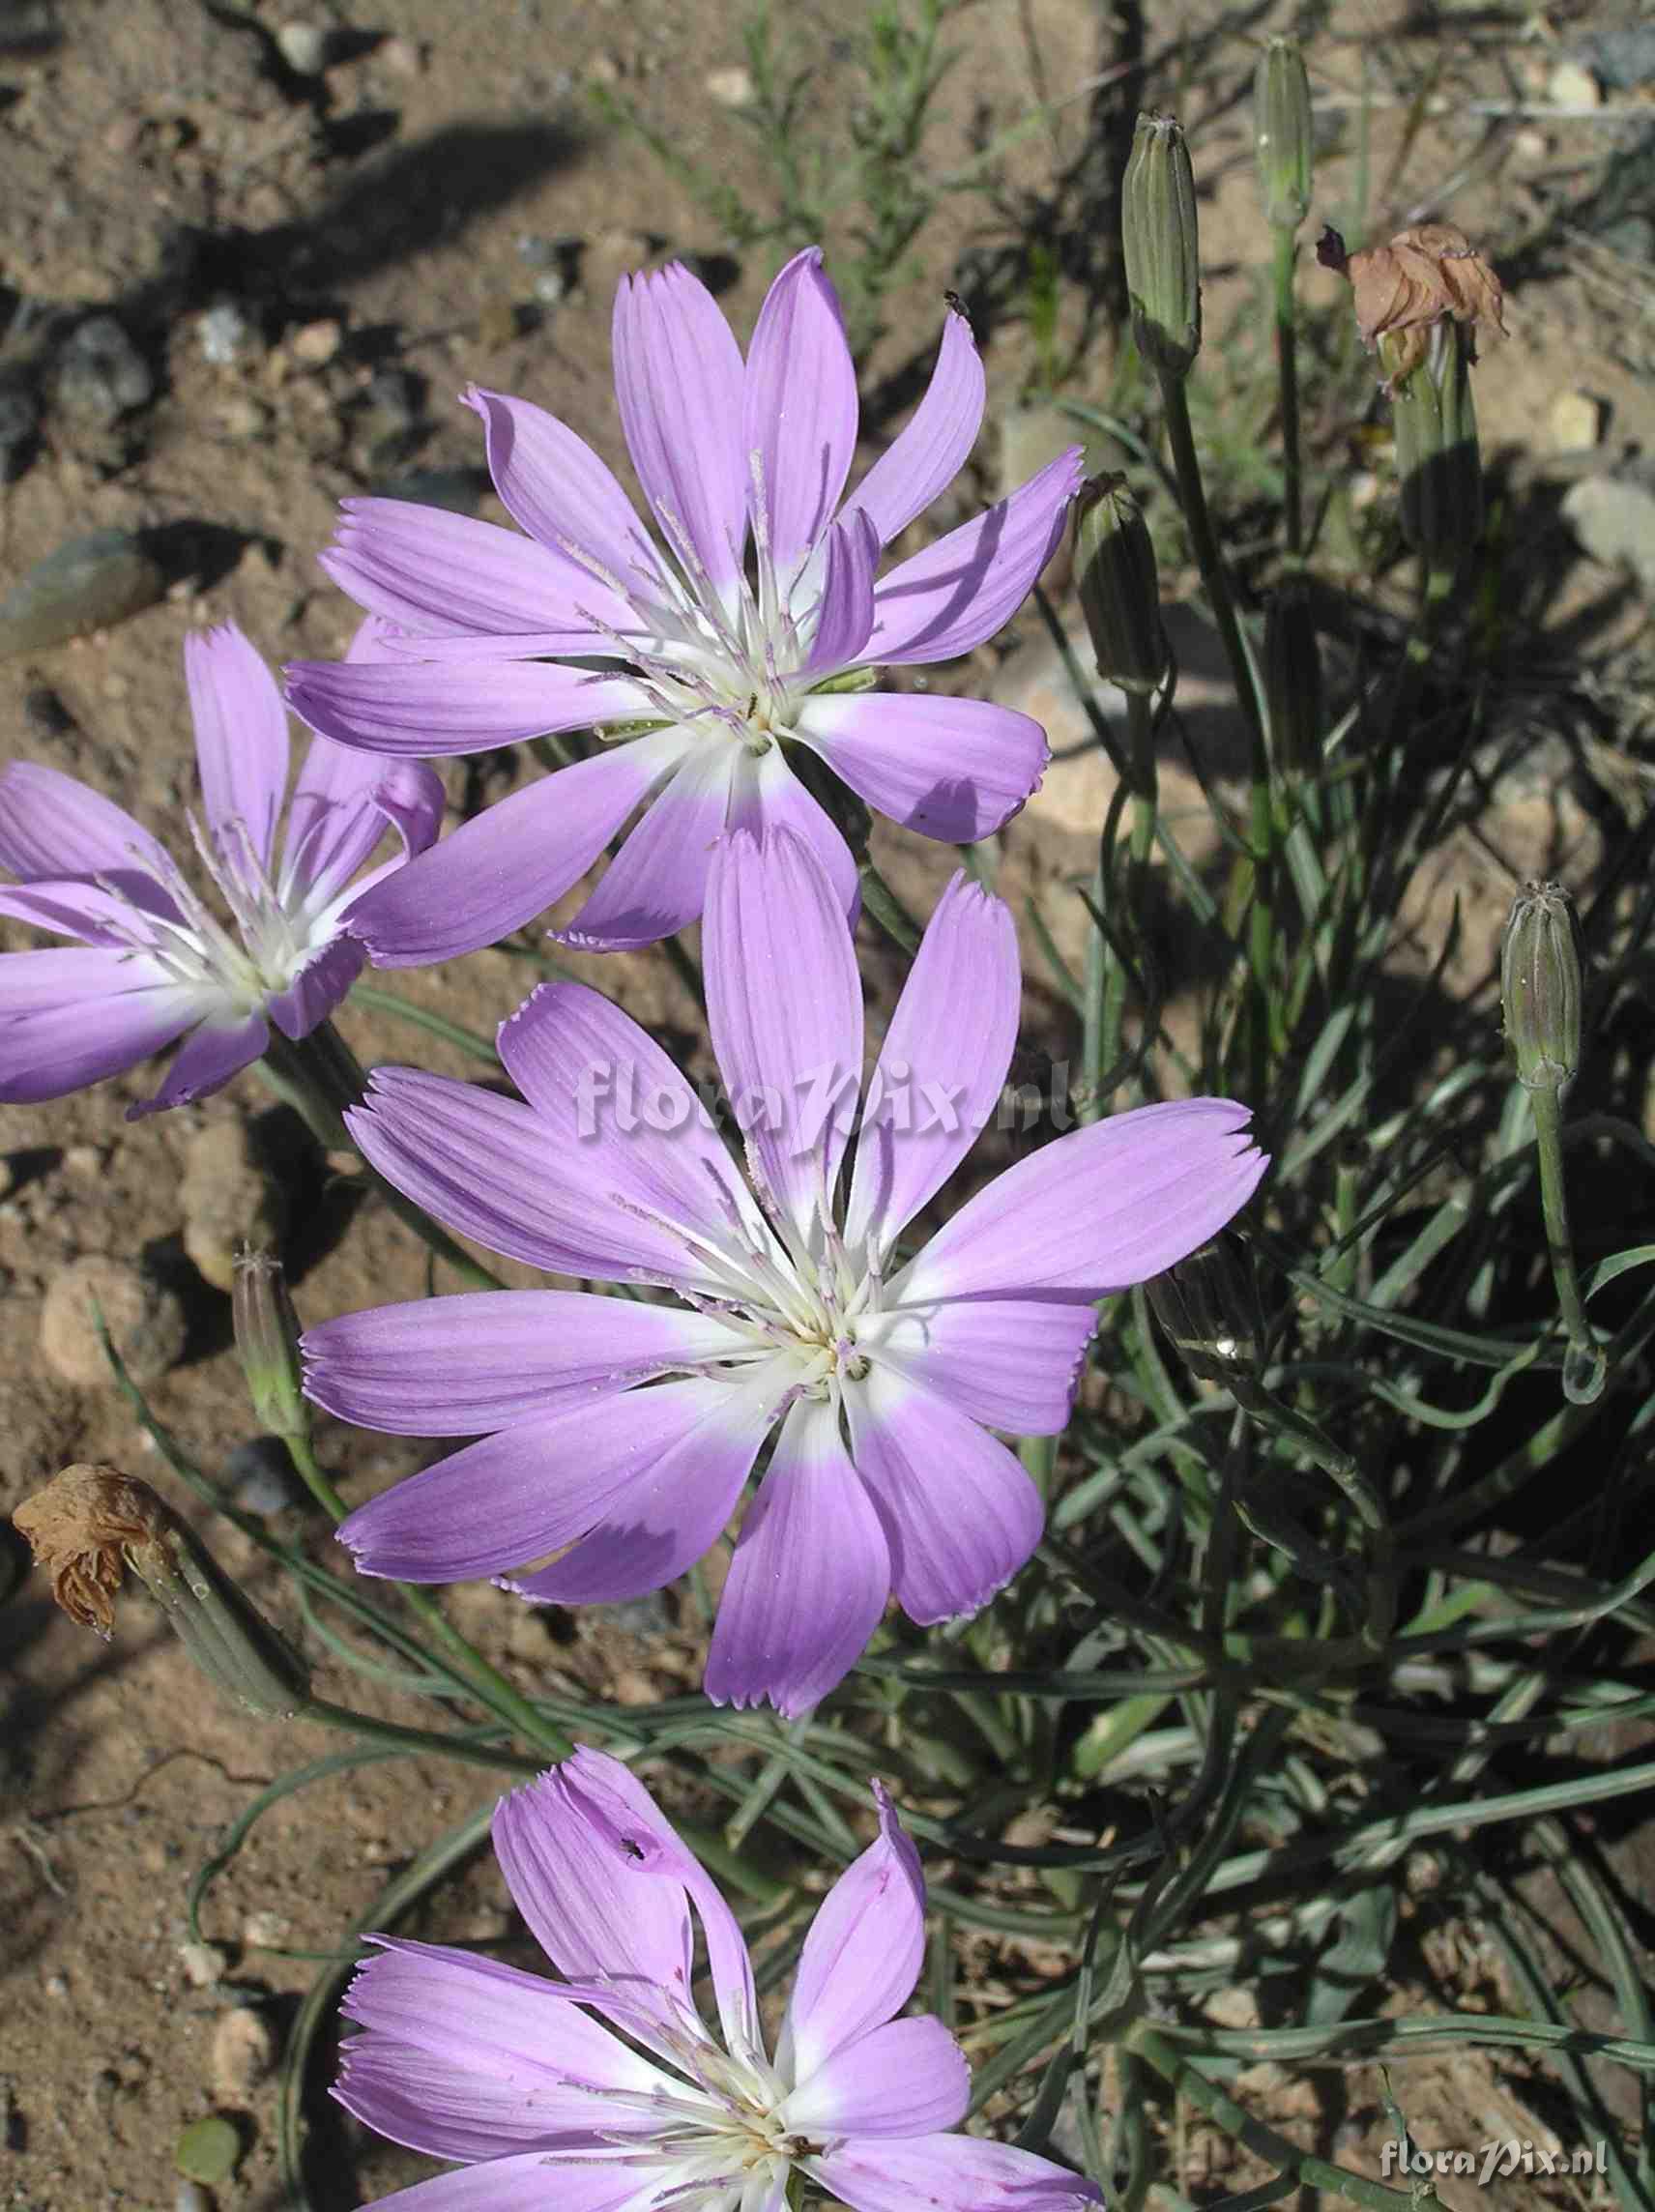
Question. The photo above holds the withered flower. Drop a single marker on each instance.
(77, 1528)
(90, 1522)
(1428, 273)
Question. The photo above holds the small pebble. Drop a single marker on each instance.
(87, 584)
(261, 1478)
(303, 47)
(226, 334)
(203, 1964)
(315, 344)
(730, 87)
(101, 373)
(145, 1321)
(1575, 422)
(262, 1931)
(243, 2053)
(191, 2197)
(1572, 85)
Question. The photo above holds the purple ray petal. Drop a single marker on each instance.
(904, 2079)
(491, 1169)
(799, 410)
(240, 739)
(678, 383)
(960, 1514)
(489, 1360)
(657, 880)
(320, 985)
(50, 826)
(671, 1517)
(80, 976)
(340, 809)
(630, 1132)
(466, 2057)
(943, 1064)
(769, 795)
(847, 607)
(578, 1888)
(530, 2181)
(953, 769)
(648, 1850)
(784, 1006)
(863, 1951)
(923, 459)
(209, 1056)
(960, 591)
(945, 2173)
(554, 487)
(527, 1490)
(74, 907)
(1099, 1210)
(512, 861)
(444, 575)
(58, 1048)
(424, 707)
(1011, 1364)
(809, 1579)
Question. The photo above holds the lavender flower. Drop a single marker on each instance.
(550, 2111)
(627, 1429)
(153, 963)
(712, 677)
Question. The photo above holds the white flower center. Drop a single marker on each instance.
(737, 672)
(275, 936)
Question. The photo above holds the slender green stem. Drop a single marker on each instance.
(1584, 1365)
(1262, 812)
(1192, 498)
(1287, 370)
(888, 909)
(497, 1693)
(432, 1740)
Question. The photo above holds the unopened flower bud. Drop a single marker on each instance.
(1540, 986)
(88, 1521)
(1208, 1305)
(267, 1342)
(1160, 247)
(1281, 133)
(1292, 680)
(1120, 586)
(1438, 463)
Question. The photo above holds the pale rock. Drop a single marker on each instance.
(1574, 423)
(730, 87)
(1571, 84)
(243, 2053)
(145, 1321)
(315, 344)
(1614, 521)
(203, 1964)
(303, 47)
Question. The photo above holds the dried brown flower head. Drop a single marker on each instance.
(77, 1527)
(1427, 273)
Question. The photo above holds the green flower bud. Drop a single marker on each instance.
(88, 1521)
(267, 1342)
(1281, 132)
(1160, 246)
(1293, 680)
(1438, 464)
(1540, 986)
(1208, 1305)
(1120, 585)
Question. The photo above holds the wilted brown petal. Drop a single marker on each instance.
(1425, 272)
(76, 1527)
